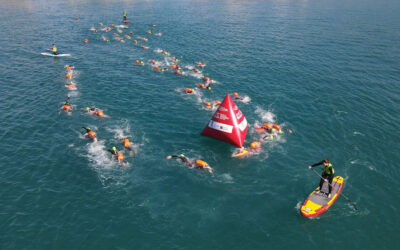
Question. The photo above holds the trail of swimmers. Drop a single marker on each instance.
(266, 131)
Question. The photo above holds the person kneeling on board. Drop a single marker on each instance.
(327, 174)
(199, 164)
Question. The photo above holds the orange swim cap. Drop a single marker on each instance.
(137, 62)
(67, 108)
(202, 85)
(173, 66)
(235, 94)
(178, 72)
(208, 104)
(153, 62)
(86, 40)
(217, 102)
(189, 90)
(131, 32)
(276, 127)
(206, 78)
(68, 76)
(156, 68)
(135, 41)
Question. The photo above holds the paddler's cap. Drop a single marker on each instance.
(87, 108)
(114, 148)
(182, 155)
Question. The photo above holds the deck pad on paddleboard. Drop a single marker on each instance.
(316, 204)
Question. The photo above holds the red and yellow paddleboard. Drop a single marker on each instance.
(316, 204)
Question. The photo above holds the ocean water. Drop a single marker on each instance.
(327, 70)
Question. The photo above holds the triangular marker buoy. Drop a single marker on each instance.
(228, 124)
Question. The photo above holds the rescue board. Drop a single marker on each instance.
(126, 21)
(58, 55)
(316, 204)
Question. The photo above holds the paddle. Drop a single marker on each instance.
(351, 203)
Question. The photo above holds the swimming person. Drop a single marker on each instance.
(199, 164)
(67, 106)
(92, 135)
(327, 174)
(118, 155)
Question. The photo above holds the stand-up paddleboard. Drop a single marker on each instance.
(58, 55)
(126, 21)
(316, 204)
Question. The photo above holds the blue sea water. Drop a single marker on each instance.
(328, 70)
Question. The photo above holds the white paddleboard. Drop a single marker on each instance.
(58, 55)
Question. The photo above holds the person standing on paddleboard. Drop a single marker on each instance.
(327, 174)
(124, 15)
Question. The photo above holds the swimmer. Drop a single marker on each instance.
(135, 41)
(127, 144)
(149, 31)
(95, 111)
(144, 47)
(212, 105)
(255, 147)
(189, 91)
(67, 106)
(118, 155)
(164, 69)
(199, 164)
(205, 85)
(236, 96)
(90, 134)
(69, 67)
(139, 62)
(158, 34)
(200, 64)
(70, 86)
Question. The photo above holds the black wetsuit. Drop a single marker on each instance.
(183, 159)
(112, 151)
(329, 177)
(87, 130)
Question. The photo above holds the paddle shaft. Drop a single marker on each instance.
(352, 203)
